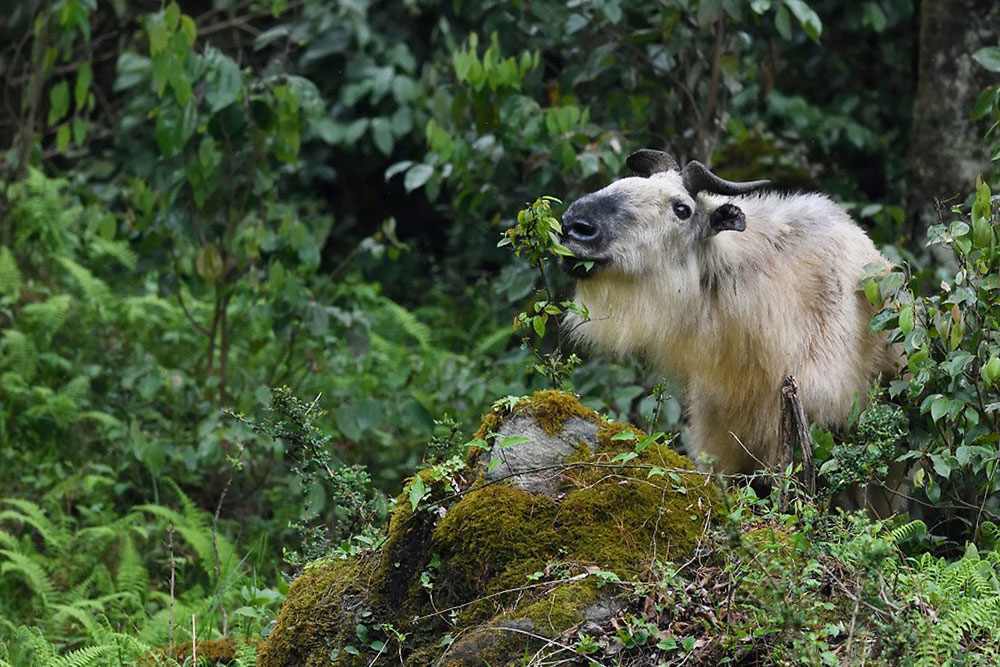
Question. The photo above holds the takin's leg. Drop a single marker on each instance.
(712, 444)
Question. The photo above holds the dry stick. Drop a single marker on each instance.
(170, 549)
(795, 432)
(218, 561)
(194, 641)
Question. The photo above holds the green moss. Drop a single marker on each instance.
(560, 609)
(318, 614)
(620, 522)
(489, 530)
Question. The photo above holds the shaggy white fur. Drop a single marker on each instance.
(731, 314)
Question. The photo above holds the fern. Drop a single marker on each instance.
(132, 576)
(10, 275)
(27, 512)
(408, 323)
(907, 532)
(18, 353)
(32, 573)
(94, 289)
(47, 317)
(85, 657)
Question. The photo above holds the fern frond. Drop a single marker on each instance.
(408, 323)
(117, 250)
(93, 288)
(199, 537)
(65, 612)
(86, 657)
(31, 514)
(29, 648)
(33, 573)
(47, 317)
(18, 354)
(8, 541)
(10, 275)
(907, 532)
(132, 576)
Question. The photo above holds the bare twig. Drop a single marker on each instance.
(795, 432)
(215, 555)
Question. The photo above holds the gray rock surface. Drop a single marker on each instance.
(532, 465)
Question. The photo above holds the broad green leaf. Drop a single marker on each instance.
(417, 492)
(906, 319)
(872, 292)
(382, 135)
(58, 102)
(509, 441)
(991, 371)
(988, 57)
(416, 176)
(63, 138)
(940, 407)
(84, 76)
(807, 17)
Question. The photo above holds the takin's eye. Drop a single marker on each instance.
(682, 211)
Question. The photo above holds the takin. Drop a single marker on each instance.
(728, 289)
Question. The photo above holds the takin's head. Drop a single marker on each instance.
(627, 225)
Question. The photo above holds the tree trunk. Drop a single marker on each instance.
(947, 149)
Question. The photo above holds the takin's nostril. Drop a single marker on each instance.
(581, 230)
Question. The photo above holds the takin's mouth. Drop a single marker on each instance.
(582, 268)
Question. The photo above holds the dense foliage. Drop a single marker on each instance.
(253, 273)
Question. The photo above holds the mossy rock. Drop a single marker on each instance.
(509, 556)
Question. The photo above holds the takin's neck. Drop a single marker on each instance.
(675, 319)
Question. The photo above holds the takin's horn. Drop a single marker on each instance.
(698, 178)
(646, 162)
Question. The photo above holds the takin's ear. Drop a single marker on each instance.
(646, 162)
(726, 218)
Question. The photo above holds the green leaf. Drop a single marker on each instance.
(874, 17)
(224, 80)
(807, 17)
(382, 134)
(62, 138)
(940, 407)
(991, 371)
(157, 33)
(58, 102)
(172, 15)
(190, 29)
(79, 131)
(988, 57)
(416, 176)
(513, 441)
(872, 292)
(941, 466)
(538, 323)
(906, 318)
(84, 76)
(417, 492)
